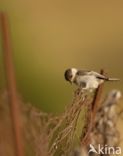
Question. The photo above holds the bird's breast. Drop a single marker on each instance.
(90, 81)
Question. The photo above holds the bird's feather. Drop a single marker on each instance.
(97, 75)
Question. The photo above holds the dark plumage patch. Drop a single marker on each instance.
(68, 74)
(83, 84)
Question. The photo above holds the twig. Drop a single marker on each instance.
(97, 97)
(11, 85)
(92, 112)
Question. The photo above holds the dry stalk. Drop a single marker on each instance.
(11, 85)
(92, 109)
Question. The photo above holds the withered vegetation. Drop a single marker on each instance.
(50, 135)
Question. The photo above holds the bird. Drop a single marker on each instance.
(85, 79)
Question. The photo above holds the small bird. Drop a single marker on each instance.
(86, 80)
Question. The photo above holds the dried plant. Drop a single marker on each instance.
(104, 131)
(55, 134)
(48, 135)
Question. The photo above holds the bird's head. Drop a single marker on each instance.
(70, 74)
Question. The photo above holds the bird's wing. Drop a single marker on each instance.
(97, 75)
(82, 72)
(91, 73)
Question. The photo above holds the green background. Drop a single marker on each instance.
(49, 36)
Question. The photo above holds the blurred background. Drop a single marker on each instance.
(50, 36)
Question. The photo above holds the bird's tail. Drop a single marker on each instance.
(112, 79)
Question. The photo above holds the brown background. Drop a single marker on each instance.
(50, 36)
